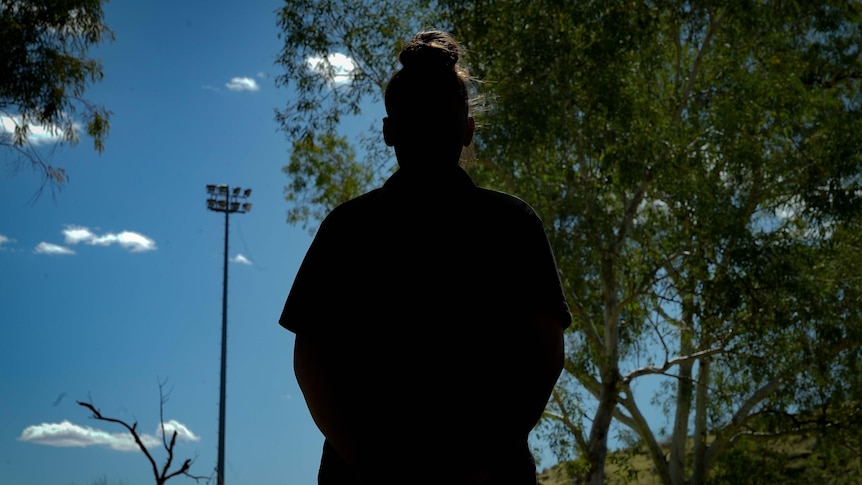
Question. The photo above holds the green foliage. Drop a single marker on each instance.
(370, 33)
(322, 170)
(45, 72)
(697, 167)
(791, 461)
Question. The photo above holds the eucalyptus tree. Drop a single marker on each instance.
(44, 74)
(697, 167)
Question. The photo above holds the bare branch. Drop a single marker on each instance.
(163, 398)
(574, 428)
(649, 370)
(631, 210)
(132, 429)
(638, 423)
(165, 474)
(589, 382)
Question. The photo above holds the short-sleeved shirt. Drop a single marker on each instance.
(450, 271)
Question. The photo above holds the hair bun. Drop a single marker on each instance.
(430, 50)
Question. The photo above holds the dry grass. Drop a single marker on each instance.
(639, 469)
(640, 472)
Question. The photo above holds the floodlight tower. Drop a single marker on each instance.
(222, 199)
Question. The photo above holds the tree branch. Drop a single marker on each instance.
(638, 423)
(714, 25)
(743, 414)
(132, 429)
(165, 474)
(575, 429)
(650, 369)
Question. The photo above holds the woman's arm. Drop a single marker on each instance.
(545, 348)
(315, 373)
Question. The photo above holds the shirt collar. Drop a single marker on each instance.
(413, 178)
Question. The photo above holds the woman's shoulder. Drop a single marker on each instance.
(504, 203)
(354, 206)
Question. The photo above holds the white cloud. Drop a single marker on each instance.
(36, 134)
(74, 235)
(336, 68)
(242, 84)
(133, 241)
(4, 240)
(183, 432)
(67, 434)
(48, 248)
(239, 258)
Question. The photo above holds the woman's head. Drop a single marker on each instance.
(427, 101)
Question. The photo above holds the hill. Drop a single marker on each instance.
(793, 460)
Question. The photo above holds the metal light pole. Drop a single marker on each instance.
(222, 199)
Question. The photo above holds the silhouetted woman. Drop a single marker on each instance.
(428, 313)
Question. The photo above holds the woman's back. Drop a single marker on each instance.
(429, 312)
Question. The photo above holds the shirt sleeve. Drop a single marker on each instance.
(308, 301)
(544, 285)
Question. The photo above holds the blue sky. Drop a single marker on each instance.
(115, 282)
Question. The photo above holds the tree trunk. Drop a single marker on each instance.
(698, 474)
(598, 445)
(683, 408)
(610, 376)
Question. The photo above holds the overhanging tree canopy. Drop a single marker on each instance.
(44, 73)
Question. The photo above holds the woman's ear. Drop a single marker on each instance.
(468, 133)
(388, 135)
